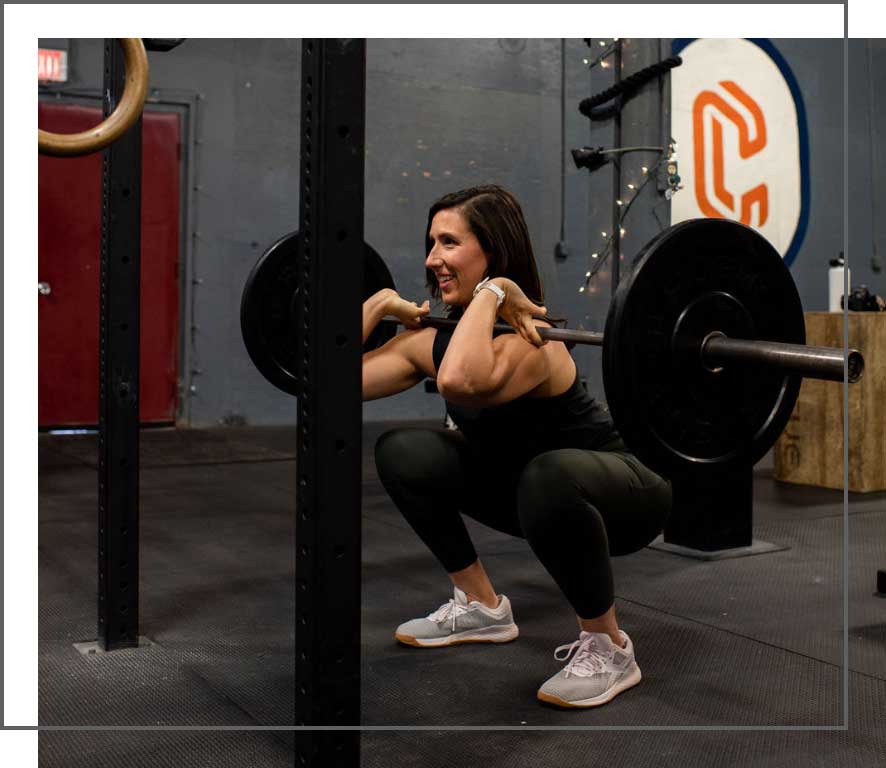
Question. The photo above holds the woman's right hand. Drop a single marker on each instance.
(407, 312)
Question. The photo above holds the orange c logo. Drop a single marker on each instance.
(747, 147)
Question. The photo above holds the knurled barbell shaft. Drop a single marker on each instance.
(718, 350)
(552, 334)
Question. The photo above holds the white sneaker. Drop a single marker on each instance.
(460, 621)
(597, 672)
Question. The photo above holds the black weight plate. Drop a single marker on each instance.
(696, 277)
(268, 311)
(267, 314)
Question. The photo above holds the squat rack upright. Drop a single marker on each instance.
(330, 407)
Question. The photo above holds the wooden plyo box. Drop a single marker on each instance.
(810, 450)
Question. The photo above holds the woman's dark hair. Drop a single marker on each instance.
(495, 218)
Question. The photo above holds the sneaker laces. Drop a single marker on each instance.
(447, 611)
(588, 659)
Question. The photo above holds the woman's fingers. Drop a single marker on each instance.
(532, 330)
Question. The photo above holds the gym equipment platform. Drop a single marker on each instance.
(746, 642)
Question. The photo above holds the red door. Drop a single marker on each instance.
(69, 223)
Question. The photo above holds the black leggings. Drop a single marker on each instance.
(575, 507)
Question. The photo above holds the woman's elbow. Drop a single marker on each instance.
(458, 391)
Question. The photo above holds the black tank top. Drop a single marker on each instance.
(527, 426)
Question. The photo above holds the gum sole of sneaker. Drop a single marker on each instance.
(597, 701)
(510, 636)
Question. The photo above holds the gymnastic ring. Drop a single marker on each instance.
(128, 110)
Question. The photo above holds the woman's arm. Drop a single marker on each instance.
(396, 365)
(469, 360)
(374, 309)
(477, 365)
(388, 302)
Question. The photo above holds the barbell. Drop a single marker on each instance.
(703, 347)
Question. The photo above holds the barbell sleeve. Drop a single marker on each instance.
(717, 350)
(812, 362)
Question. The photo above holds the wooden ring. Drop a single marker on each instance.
(118, 122)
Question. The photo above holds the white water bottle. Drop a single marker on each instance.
(836, 281)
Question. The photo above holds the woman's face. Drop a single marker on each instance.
(456, 257)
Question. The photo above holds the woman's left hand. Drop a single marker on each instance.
(517, 310)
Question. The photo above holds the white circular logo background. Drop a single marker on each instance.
(741, 140)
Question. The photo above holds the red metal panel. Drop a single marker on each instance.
(69, 192)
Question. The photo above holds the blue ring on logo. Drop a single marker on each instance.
(680, 43)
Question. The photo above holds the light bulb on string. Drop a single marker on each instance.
(631, 186)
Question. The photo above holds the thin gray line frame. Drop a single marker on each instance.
(844, 726)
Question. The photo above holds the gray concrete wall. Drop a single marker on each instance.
(442, 115)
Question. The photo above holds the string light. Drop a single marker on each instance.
(608, 50)
(624, 205)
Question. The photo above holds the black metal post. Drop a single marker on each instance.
(616, 177)
(713, 509)
(118, 440)
(330, 264)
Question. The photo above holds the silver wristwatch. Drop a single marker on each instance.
(500, 294)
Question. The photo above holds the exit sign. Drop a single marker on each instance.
(52, 65)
